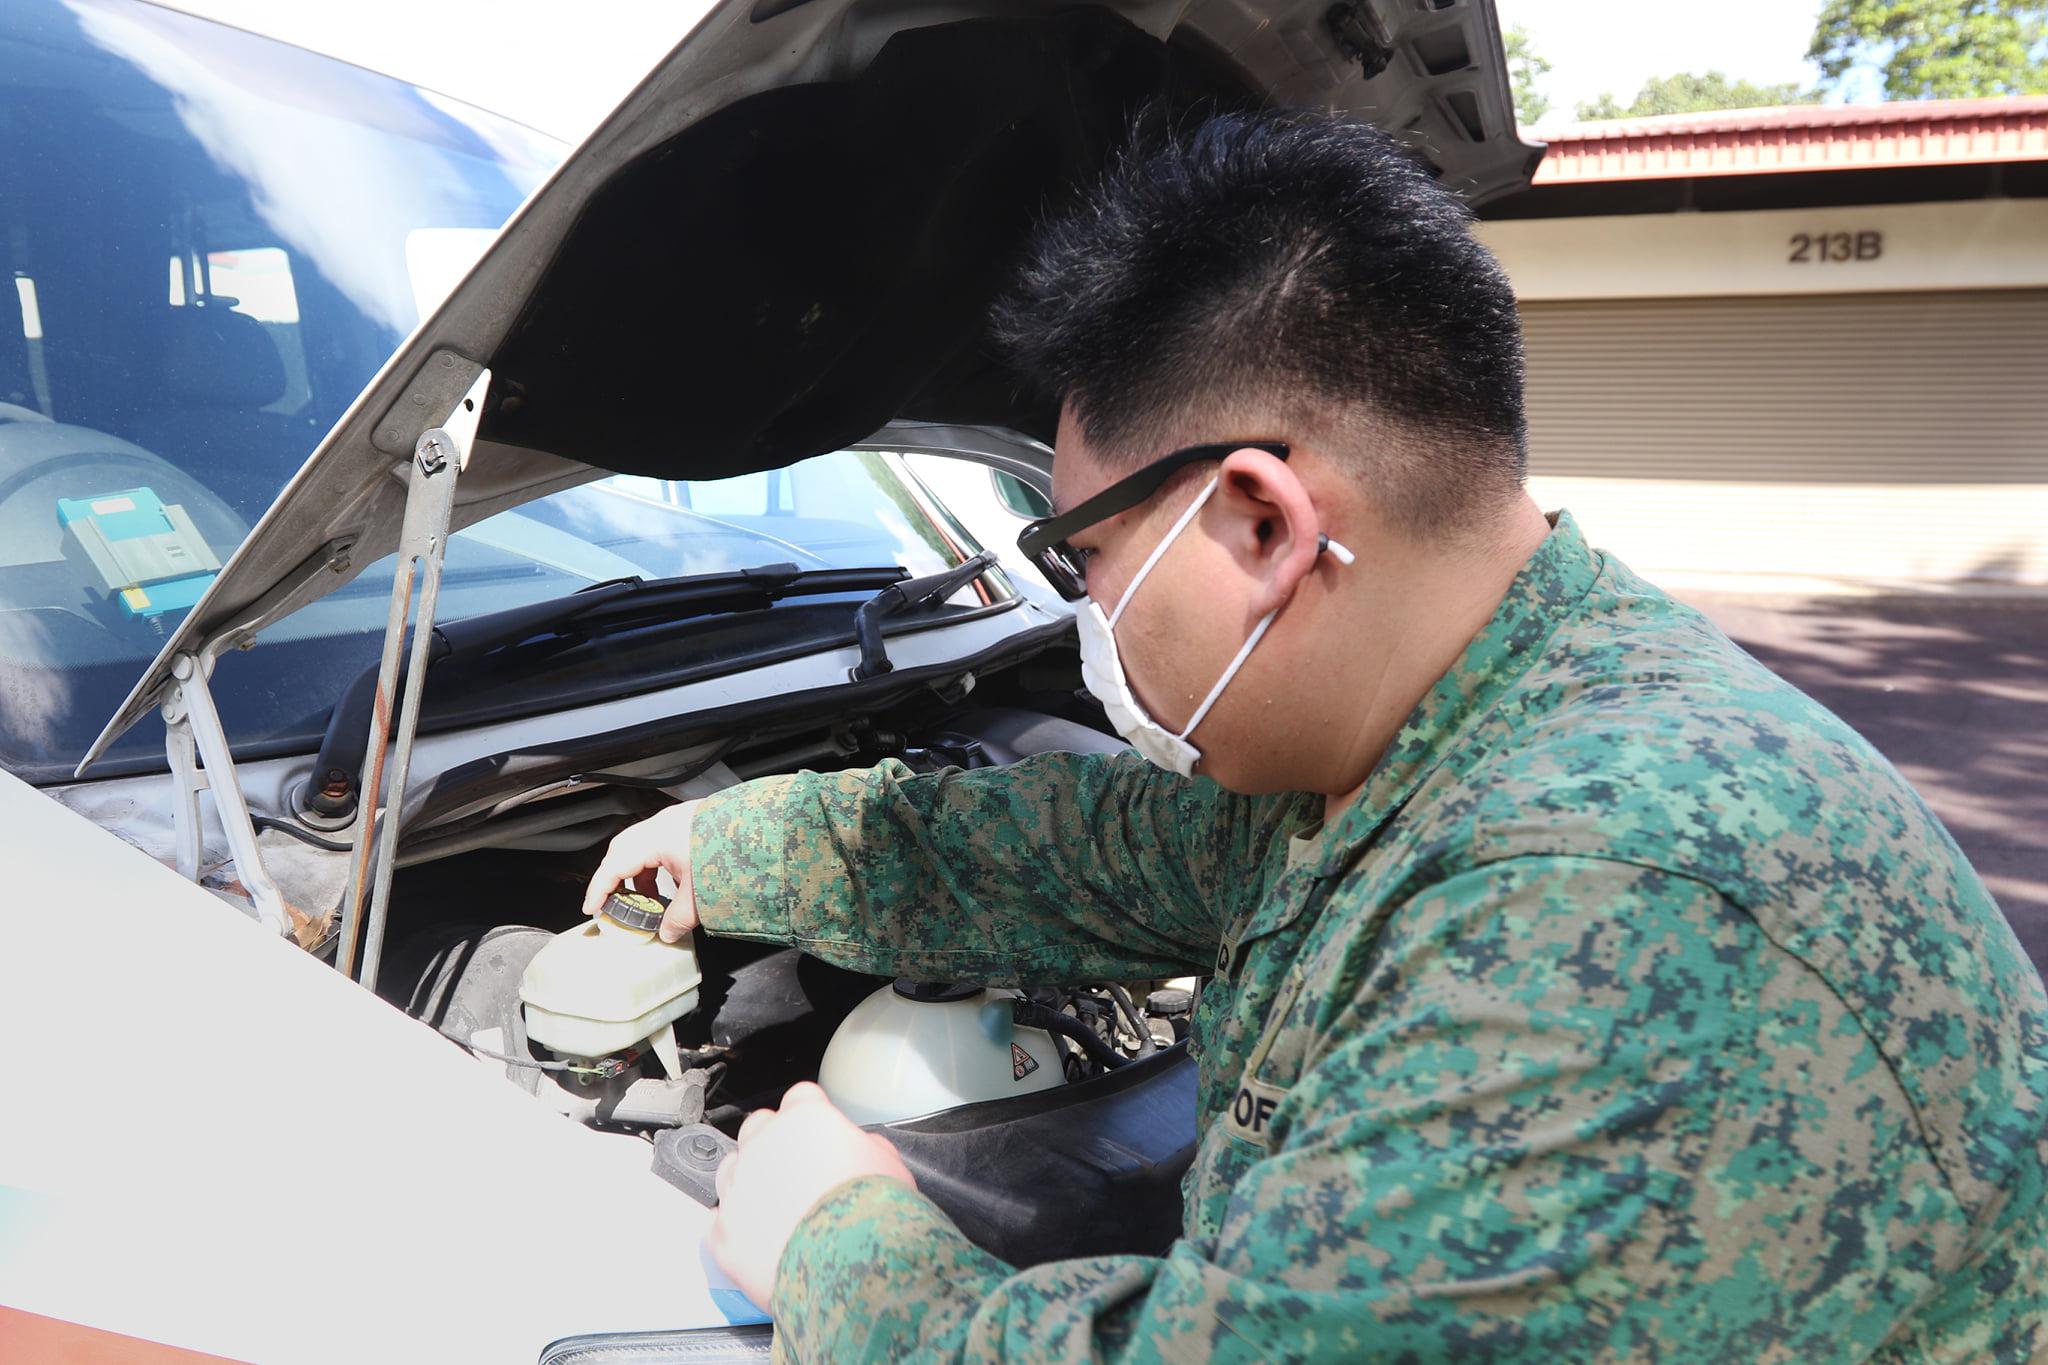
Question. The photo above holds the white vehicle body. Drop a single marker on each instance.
(279, 1130)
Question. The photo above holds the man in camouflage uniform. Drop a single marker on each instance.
(1578, 990)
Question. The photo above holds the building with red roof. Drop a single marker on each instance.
(1806, 342)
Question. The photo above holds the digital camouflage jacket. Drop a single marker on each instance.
(1637, 1010)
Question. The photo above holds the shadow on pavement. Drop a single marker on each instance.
(1955, 693)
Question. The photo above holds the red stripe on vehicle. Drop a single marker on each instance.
(33, 1337)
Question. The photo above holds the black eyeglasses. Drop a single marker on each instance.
(1045, 541)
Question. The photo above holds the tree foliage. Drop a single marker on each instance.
(1525, 68)
(1936, 49)
(1687, 93)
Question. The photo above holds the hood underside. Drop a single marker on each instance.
(792, 233)
(795, 269)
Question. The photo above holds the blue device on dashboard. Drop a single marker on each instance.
(148, 554)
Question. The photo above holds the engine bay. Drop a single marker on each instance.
(1051, 1121)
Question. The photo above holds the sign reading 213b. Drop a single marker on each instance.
(1822, 247)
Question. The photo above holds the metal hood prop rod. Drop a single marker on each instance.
(193, 736)
(438, 458)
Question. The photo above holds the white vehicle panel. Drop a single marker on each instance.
(237, 1151)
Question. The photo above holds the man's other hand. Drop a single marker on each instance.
(788, 1159)
(660, 842)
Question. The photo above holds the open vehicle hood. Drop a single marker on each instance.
(791, 232)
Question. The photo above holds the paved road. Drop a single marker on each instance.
(1955, 693)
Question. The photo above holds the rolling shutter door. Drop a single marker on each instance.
(1876, 437)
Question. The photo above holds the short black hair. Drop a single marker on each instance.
(1281, 262)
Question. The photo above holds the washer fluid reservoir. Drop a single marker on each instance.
(914, 1048)
(611, 984)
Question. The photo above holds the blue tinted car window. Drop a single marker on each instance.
(212, 242)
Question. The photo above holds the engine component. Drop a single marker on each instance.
(1170, 1002)
(1035, 1015)
(655, 1102)
(985, 735)
(1139, 1031)
(688, 1158)
(915, 1048)
(611, 985)
(1171, 1010)
(633, 910)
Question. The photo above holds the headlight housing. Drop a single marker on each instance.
(748, 1345)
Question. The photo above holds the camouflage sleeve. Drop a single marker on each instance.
(1060, 868)
(1493, 1149)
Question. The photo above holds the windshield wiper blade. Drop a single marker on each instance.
(899, 598)
(589, 612)
(591, 608)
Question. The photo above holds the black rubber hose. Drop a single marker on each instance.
(1146, 1047)
(342, 744)
(299, 832)
(726, 1116)
(531, 1062)
(1031, 1014)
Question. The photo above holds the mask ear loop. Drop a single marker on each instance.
(1158, 550)
(1324, 545)
(1228, 674)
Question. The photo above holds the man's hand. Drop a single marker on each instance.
(661, 841)
(788, 1159)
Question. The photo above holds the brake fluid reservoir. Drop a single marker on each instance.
(913, 1048)
(611, 984)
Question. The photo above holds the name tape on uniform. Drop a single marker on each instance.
(1251, 1111)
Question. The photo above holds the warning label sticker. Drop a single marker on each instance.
(1022, 1063)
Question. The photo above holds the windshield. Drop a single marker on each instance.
(213, 242)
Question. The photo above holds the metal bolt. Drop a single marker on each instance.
(433, 456)
(334, 784)
(703, 1146)
(181, 667)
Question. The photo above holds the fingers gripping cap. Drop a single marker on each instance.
(633, 910)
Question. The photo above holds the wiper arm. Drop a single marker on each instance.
(586, 613)
(909, 595)
(592, 609)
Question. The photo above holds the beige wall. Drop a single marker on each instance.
(1813, 537)
(1880, 527)
(1978, 244)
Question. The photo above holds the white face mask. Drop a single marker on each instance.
(1102, 671)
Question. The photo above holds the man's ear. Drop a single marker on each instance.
(1268, 524)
